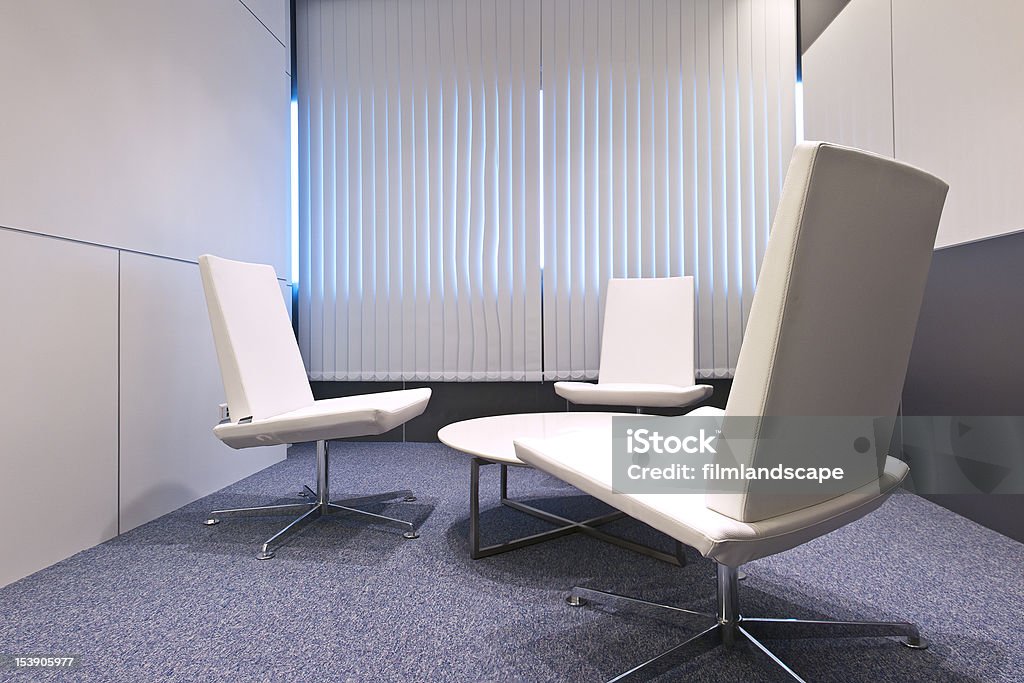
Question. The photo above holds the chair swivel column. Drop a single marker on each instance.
(728, 603)
(322, 465)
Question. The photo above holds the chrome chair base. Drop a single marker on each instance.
(728, 628)
(318, 506)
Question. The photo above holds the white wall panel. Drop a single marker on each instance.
(959, 103)
(170, 390)
(148, 125)
(847, 76)
(155, 127)
(58, 400)
(275, 15)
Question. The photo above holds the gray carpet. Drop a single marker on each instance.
(177, 601)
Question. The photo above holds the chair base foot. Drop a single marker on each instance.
(728, 628)
(316, 505)
(308, 512)
(409, 499)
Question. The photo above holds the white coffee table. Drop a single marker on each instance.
(489, 441)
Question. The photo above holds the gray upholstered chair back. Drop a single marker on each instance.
(836, 306)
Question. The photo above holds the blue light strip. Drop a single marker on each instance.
(295, 189)
(540, 206)
(799, 111)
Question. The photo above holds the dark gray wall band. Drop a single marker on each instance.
(968, 354)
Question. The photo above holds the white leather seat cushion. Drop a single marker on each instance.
(583, 459)
(334, 418)
(632, 394)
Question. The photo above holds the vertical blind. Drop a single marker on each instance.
(438, 193)
(419, 189)
(668, 126)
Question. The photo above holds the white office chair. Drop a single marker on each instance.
(646, 348)
(269, 397)
(829, 334)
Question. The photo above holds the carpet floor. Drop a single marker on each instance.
(174, 600)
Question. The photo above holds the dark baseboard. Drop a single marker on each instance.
(457, 401)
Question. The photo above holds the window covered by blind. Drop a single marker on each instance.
(419, 189)
(668, 126)
(441, 181)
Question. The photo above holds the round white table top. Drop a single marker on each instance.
(491, 437)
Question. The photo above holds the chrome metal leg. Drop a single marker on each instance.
(405, 494)
(588, 527)
(262, 511)
(731, 627)
(772, 657)
(788, 629)
(478, 551)
(319, 506)
(278, 539)
(704, 641)
(596, 596)
(564, 525)
(728, 603)
(408, 526)
(323, 465)
(680, 553)
(474, 509)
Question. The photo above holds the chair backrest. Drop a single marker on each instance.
(648, 331)
(259, 358)
(836, 306)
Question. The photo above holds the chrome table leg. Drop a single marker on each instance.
(588, 527)
(478, 551)
(564, 525)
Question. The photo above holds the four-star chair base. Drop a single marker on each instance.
(320, 506)
(727, 627)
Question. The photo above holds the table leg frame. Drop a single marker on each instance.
(564, 527)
